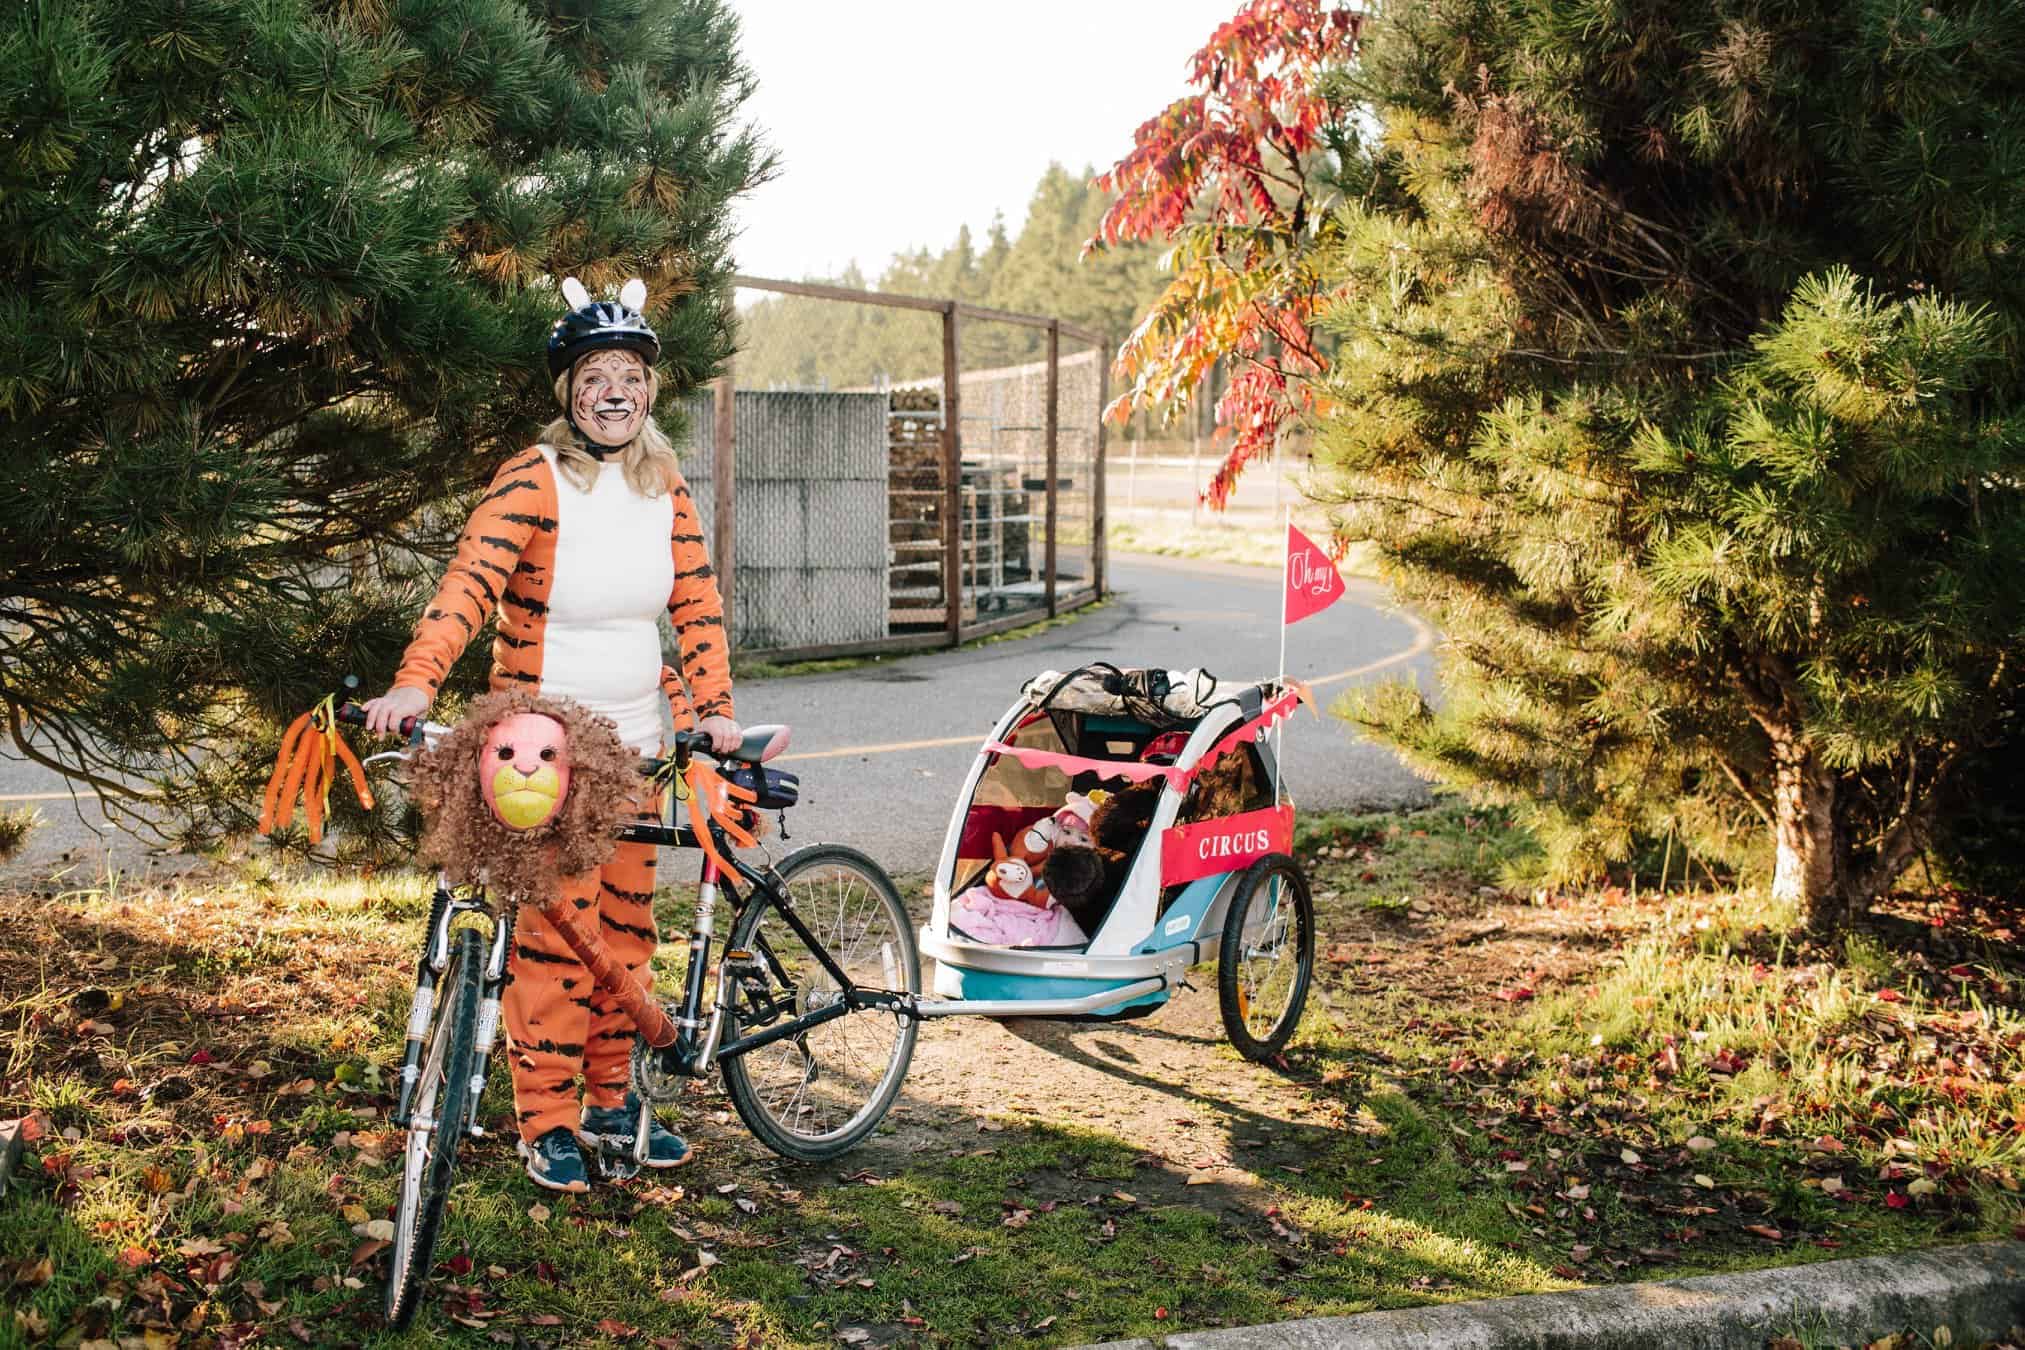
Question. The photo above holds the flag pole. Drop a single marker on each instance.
(1280, 732)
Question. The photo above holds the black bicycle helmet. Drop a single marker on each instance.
(601, 325)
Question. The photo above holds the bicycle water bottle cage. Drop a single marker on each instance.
(772, 789)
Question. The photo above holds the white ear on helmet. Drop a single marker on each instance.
(633, 295)
(574, 292)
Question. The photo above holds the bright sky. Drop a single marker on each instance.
(897, 121)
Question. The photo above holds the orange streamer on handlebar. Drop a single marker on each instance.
(305, 768)
(711, 798)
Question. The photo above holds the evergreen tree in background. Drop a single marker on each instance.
(1678, 380)
(799, 342)
(275, 277)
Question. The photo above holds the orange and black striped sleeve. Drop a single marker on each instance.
(519, 502)
(697, 612)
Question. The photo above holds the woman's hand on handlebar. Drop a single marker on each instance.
(386, 713)
(723, 732)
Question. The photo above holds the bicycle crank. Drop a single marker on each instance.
(656, 1073)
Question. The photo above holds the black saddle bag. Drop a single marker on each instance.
(775, 789)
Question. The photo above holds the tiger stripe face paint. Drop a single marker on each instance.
(609, 397)
(525, 770)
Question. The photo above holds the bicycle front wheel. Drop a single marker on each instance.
(813, 1095)
(442, 1116)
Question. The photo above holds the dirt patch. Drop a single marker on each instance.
(1207, 1124)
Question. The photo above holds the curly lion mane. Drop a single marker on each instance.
(462, 836)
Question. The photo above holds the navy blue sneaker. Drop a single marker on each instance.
(614, 1127)
(554, 1162)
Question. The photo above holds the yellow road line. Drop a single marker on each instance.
(881, 749)
(1423, 640)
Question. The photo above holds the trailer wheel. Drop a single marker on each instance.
(1267, 956)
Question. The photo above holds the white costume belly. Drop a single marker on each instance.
(613, 573)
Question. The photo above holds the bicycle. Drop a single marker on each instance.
(782, 987)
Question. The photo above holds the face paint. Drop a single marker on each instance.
(524, 770)
(609, 397)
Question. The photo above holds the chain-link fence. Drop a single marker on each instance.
(899, 472)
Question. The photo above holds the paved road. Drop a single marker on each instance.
(882, 749)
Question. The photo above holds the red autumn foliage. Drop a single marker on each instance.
(1224, 173)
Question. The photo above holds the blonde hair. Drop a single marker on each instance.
(648, 460)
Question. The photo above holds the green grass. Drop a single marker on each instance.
(1215, 539)
(1475, 1066)
(15, 827)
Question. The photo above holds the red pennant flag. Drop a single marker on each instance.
(1312, 582)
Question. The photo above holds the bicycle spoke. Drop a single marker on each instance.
(838, 1074)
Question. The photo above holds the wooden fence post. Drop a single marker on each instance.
(1054, 426)
(952, 478)
(1097, 546)
(724, 483)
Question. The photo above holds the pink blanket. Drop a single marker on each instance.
(1014, 923)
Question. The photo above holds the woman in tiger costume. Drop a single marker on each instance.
(579, 546)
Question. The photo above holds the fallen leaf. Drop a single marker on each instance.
(1765, 1231)
(368, 1249)
(616, 1329)
(1630, 1157)
(538, 1212)
(1701, 1143)
(1921, 1187)
(380, 1230)
(1705, 1181)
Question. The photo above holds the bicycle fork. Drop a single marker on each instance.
(443, 909)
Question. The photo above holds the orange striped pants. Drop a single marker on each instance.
(561, 1025)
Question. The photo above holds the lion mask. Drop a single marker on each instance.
(598, 786)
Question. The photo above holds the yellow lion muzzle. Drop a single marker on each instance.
(524, 801)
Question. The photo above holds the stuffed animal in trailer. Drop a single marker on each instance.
(1013, 908)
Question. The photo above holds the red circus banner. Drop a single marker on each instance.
(1208, 847)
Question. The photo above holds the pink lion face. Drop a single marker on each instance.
(524, 770)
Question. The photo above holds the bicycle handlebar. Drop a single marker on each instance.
(682, 744)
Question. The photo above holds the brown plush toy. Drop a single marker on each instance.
(464, 833)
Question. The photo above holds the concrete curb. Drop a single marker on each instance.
(1975, 1291)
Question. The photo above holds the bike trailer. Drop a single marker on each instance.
(1184, 768)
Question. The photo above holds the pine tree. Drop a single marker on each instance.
(1678, 380)
(796, 341)
(275, 277)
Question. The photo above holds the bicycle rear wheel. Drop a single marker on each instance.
(812, 1096)
(442, 1116)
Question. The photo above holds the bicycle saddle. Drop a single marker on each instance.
(760, 744)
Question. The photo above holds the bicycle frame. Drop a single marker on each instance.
(697, 1046)
(689, 1044)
